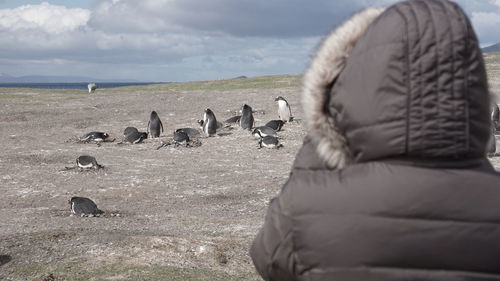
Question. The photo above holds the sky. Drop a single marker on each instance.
(181, 40)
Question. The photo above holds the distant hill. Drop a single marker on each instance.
(5, 78)
(492, 48)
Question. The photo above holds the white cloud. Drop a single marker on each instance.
(184, 39)
(44, 17)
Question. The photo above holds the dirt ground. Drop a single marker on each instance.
(185, 213)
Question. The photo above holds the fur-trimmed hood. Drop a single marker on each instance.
(408, 81)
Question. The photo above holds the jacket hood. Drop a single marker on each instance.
(404, 82)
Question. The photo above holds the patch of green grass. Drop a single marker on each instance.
(40, 91)
(81, 271)
(263, 82)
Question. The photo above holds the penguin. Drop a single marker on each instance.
(264, 131)
(268, 141)
(209, 123)
(492, 143)
(130, 130)
(219, 124)
(92, 87)
(191, 132)
(275, 125)
(83, 206)
(246, 120)
(180, 136)
(234, 119)
(154, 125)
(495, 117)
(87, 162)
(97, 137)
(284, 111)
(135, 137)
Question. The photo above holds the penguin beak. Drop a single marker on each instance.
(276, 99)
(110, 138)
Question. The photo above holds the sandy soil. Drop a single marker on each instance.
(185, 213)
(192, 208)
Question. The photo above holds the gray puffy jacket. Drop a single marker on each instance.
(392, 182)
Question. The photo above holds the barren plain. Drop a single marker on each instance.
(185, 213)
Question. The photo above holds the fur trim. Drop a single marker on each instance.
(327, 64)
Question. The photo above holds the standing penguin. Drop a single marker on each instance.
(209, 123)
(92, 87)
(246, 120)
(495, 116)
(284, 111)
(492, 143)
(154, 125)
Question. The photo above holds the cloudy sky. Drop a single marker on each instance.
(181, 40)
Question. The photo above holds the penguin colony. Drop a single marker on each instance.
(209, 125)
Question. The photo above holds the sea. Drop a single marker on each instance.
(79, 86)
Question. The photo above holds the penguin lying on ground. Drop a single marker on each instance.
(134, 138)
(191, 132)
(268, 141)
(275, 125)
(180, 136)
(83, 206)
(87, 162)
(264, 131)
(130, 130)
(97, 137)
(234, 119)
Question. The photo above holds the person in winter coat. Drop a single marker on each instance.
(392, 181)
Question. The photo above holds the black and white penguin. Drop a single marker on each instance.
(492, 143)
(180, 136)
(246, 120)
(234, 119)
(92, 87)
(275, 125)
(219, 124)
(96, 137)
(264, 131)
(154, 125)
(209, 123)
(87, 162)
(495, 116)
(135, 137)
(284, 111)
(83, 205)
(268, 141)
(191, 132)
(130, 130)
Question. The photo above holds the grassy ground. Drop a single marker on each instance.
(257, 83)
